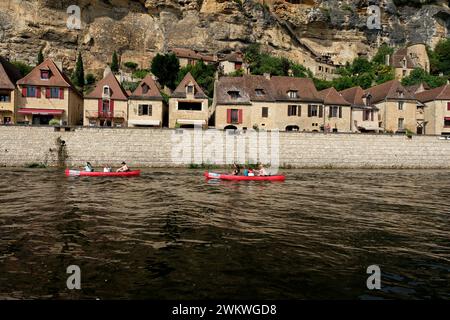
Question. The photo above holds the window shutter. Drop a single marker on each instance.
(100, 106)
(140, 111)
(47, 92)
(340, 112)
(330, 111)
(448, 106)
(24, 92)
(240, 116)
(228, 115)
(309, 110)
(38, 92)
(320, 111)
(111, 106)
(150, 110)
(61, 93)
(371, 115)
(299, 111)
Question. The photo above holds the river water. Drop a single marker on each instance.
(171, 235)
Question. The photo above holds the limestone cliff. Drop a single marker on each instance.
(138, 29)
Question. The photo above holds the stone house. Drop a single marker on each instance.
(191, 57)
(365, 115)
(188, 105)
(47, 94)
(337, 111)
(107, 104)
(9, 75)
(437, 110)
(232, 62)
(265, 102)
(146, 107)
(397, 106)
(405, 60)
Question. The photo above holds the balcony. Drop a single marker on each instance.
(105, 114)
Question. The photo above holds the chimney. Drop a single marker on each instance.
(267, 76)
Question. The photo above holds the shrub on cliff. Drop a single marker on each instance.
(23, 67)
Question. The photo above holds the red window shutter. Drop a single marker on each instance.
(100, 106)
(111, 106)
(61, 93)
(228, 115)
(24, 92)
(38, 92)
(240, 116)
(448, 106)
(47, 92)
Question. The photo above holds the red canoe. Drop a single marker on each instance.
(210, 175)
(77, 173)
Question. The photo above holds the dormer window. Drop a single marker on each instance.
(190, 89)
(45, 74)
(367, 99)
(234, 94)
(106, 91)
(292, 94)
(259, 92)
(404, 63)
(145, 88)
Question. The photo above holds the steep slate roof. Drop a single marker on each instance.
(274, 89)
(397, 59)
(413, 89)
(191, 54)
(180, 91)
(354, 96)
(57, 77)
(440, 93)
(153, 92)
(117, 92)
(9, 75)
(389, 90)
(331, 97)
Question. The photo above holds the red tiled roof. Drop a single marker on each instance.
(117, 91)
(153, 91)
(57, 77)
(180, 91)
(192, 54)
(330, 96)
(390, 90)
(440, 93)
(9, 75)
(353, 95)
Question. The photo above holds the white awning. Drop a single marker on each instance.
(144, 122)
(189, 121)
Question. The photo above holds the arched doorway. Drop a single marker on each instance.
(292, 128)
(230, 128)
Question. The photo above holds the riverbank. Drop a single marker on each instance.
(157, 148)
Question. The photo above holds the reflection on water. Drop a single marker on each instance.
(172, 235)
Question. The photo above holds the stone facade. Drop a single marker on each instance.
(20, 146)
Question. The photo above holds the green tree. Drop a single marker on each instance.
(383, 51)
(441, 58)
(166, 67)
(419, 75)
(40, 57)
(78, 75)
(24, 68)
(115, 62)
(90, 79)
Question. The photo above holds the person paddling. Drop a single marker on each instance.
(88, 167)
(123, 168)
(236, 169)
